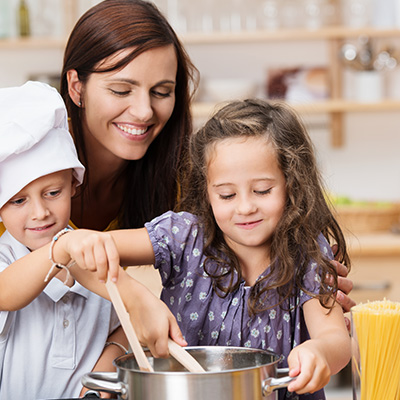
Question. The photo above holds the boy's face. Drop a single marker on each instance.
(40, 210)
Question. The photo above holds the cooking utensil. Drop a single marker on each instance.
(232, 373)
(130, 333)
(181, 355)
(175, 350)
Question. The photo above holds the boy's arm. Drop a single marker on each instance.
(314, 361)
(23, 280)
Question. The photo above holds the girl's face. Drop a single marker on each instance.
(246, 190)
(40, 210)
(126, 109)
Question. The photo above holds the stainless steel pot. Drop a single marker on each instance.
(233, 373)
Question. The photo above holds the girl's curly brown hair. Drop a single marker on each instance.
(306, 215)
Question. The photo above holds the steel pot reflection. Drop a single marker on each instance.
(232, 373)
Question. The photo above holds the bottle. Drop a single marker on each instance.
(23, 14)
(4, 18)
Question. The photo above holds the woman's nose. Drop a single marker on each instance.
(141, 107)
(39, 210)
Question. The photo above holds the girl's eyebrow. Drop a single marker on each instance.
(253, 181)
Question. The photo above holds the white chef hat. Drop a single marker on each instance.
(34, 137)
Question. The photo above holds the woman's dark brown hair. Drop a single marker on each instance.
(306, 215)
(110, 27)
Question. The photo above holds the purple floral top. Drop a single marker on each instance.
(207, 319)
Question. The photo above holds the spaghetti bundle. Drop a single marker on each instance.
(376, 327)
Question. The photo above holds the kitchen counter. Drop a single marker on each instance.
(375, 272)
(385, 244)
(339, 394)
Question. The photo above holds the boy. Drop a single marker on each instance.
(50, 334)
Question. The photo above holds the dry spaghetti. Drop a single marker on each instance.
(376, 328)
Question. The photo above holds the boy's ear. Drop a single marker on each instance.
(74, 87)
(74, 184)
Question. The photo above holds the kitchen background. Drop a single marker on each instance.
(336, 61)
(249, 42)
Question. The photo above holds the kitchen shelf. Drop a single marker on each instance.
(325, 33)
(203, 110)
(32, 43)
(337, 106)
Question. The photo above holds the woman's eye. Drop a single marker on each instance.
(161, 94)
(120, 93)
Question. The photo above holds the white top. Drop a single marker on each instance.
(46, 347)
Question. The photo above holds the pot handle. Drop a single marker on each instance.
(105, 382)
(271, 384)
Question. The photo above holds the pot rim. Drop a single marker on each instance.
(278, 358)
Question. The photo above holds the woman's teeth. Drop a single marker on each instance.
(132, 131)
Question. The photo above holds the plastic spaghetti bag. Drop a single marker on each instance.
(376, 350)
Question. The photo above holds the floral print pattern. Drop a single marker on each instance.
(207, 319)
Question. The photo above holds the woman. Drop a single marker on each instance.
(127, 84)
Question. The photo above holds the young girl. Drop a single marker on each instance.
(246, 264)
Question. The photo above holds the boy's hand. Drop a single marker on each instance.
(310, 367)
(93, 251)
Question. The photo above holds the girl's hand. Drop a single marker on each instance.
(92, 251)
(151, 318)
(310, 367)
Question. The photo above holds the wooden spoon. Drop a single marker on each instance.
(130, 333)
(178, 352)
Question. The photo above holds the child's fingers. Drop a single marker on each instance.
(161, 344)
(175, 333)
(113, 259)
(303, 376)
(313, 374)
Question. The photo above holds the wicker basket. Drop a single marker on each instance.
(368, 218)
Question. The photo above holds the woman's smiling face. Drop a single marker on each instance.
(126, 109)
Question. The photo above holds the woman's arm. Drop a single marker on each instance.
(110, 353)
(152, 320)
(314, 361)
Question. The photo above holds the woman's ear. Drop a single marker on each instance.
(74, 87)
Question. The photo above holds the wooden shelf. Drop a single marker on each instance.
(32, 43)
(326, 33)
(204, 110)
(334, 36)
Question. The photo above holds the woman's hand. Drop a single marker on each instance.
(310, 368)
(345, 286)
